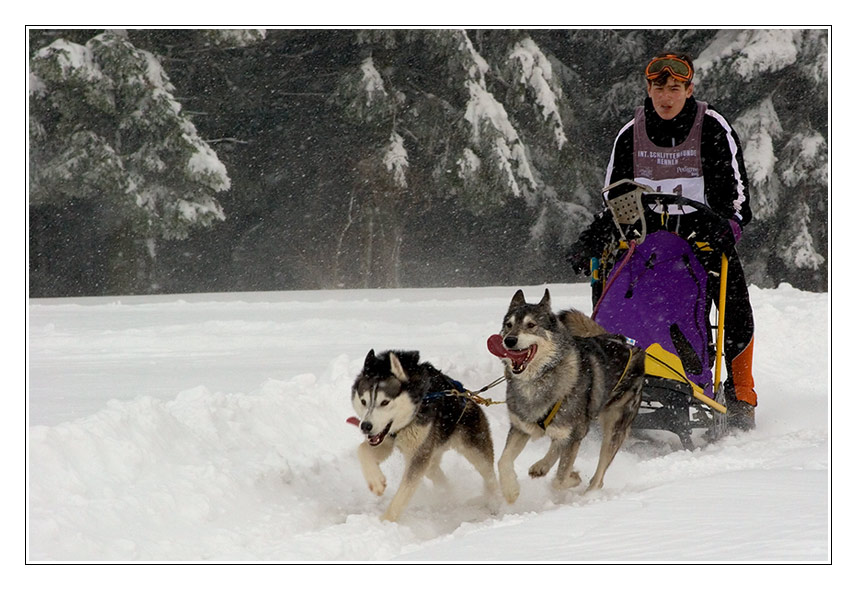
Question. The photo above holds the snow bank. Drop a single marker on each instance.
(212, 428)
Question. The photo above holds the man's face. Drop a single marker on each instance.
(669, 98)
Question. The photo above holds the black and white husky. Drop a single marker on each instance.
(402, 403)
(558, 383)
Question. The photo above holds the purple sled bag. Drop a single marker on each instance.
(656, 295)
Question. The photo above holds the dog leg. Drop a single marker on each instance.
(436, 474)
(477, 446)
(566, 477)
(515, 443)
(615, 425)
(541, 467)
(416, 469)
(370, 463)
(482, 458)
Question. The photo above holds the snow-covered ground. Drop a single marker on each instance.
(213, 428)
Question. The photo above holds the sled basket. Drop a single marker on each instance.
(656, 294)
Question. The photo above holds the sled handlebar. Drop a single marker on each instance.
(648, 196)
(673, 199)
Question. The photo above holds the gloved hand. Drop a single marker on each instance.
(737, 230)
(727, 234)
(578, 258)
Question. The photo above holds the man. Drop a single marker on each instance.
(676, 144)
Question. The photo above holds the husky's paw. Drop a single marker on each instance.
(377, 484)
(540, 468)
(491, 495)
(510, 488)
(573, 480)
(512, 494)
(492, 503)
(490, 486)
(594, 485)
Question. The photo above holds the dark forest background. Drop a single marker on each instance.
(239, 160)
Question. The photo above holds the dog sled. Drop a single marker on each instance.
(650, 286)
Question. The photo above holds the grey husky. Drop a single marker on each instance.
(563, 372)
(403, 403)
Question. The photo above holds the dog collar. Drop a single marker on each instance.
(545, 422)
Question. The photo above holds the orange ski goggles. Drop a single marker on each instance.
(677, 67)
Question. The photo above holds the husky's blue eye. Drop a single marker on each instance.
(385, 402)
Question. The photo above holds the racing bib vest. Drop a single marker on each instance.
(676, 169)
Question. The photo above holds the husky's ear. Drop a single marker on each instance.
(546, 299)
(370, 360)
(518, 299)
(396, 368)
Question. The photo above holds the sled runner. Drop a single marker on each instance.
(651, 287)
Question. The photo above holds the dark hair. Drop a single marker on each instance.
(665, 75)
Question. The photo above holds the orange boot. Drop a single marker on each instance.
(740, 393)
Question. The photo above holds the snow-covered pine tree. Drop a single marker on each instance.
(106, 130)
(774, 82)
(230, 38)
(552, 120)
(432, 100)
(804, 236)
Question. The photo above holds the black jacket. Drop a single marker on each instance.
(721, 155)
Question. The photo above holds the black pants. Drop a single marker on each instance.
(739, 325)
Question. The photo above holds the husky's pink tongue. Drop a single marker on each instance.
(495, 347)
